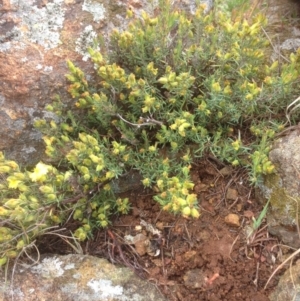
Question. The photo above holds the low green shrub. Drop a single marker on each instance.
(169, 89)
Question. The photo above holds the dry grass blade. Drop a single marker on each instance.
(275, 49)
(294, 107)
(231, 248)
(281, 265)
(297, 251)
(24, 250)
(76, 246)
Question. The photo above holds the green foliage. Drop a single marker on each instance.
(168, 89)
(234, 5)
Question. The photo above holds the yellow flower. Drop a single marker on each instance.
(249, 96)
(227, 90)
(186, 211)
(80, 234)
(146, 182)
(104, 224)
(53, 124)
(78, 214)
(202, 106)
(129, 13)
(126, 157)
(236, 144)
(56, 219)
(4, 169)
(46, 189)
(67, 175)
(216, 87)
(174, 145)
(268, 80)
(12, 164)
(163, 80)
(235, 163)
(160, 184)
(107, 187)
(110, 175)
(3, 261)
(270, 169)
(12, 203)
(23, 187)
(51, 197)
(181, 129)
(274, 66)
(95, 159)
(209, 28)
(21, 243)
(13, 182)
(149, 101)
(39, 172)
(173, 126)
(145, 109)
(191, 199)
(3, 211)
(195, 213)
(152, 148)
(141, 82)
(150, 67)
(181, 202)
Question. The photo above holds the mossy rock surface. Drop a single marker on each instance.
(283, 189)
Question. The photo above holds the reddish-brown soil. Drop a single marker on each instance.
(204, 259)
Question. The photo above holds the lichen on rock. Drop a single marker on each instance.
(76, 278)
(95, 8)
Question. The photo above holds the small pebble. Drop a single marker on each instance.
(225, 171)
(232, 194)
(194, 278)
(160, 226)
(232, 220)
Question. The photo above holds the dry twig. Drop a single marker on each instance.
(281, 265)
